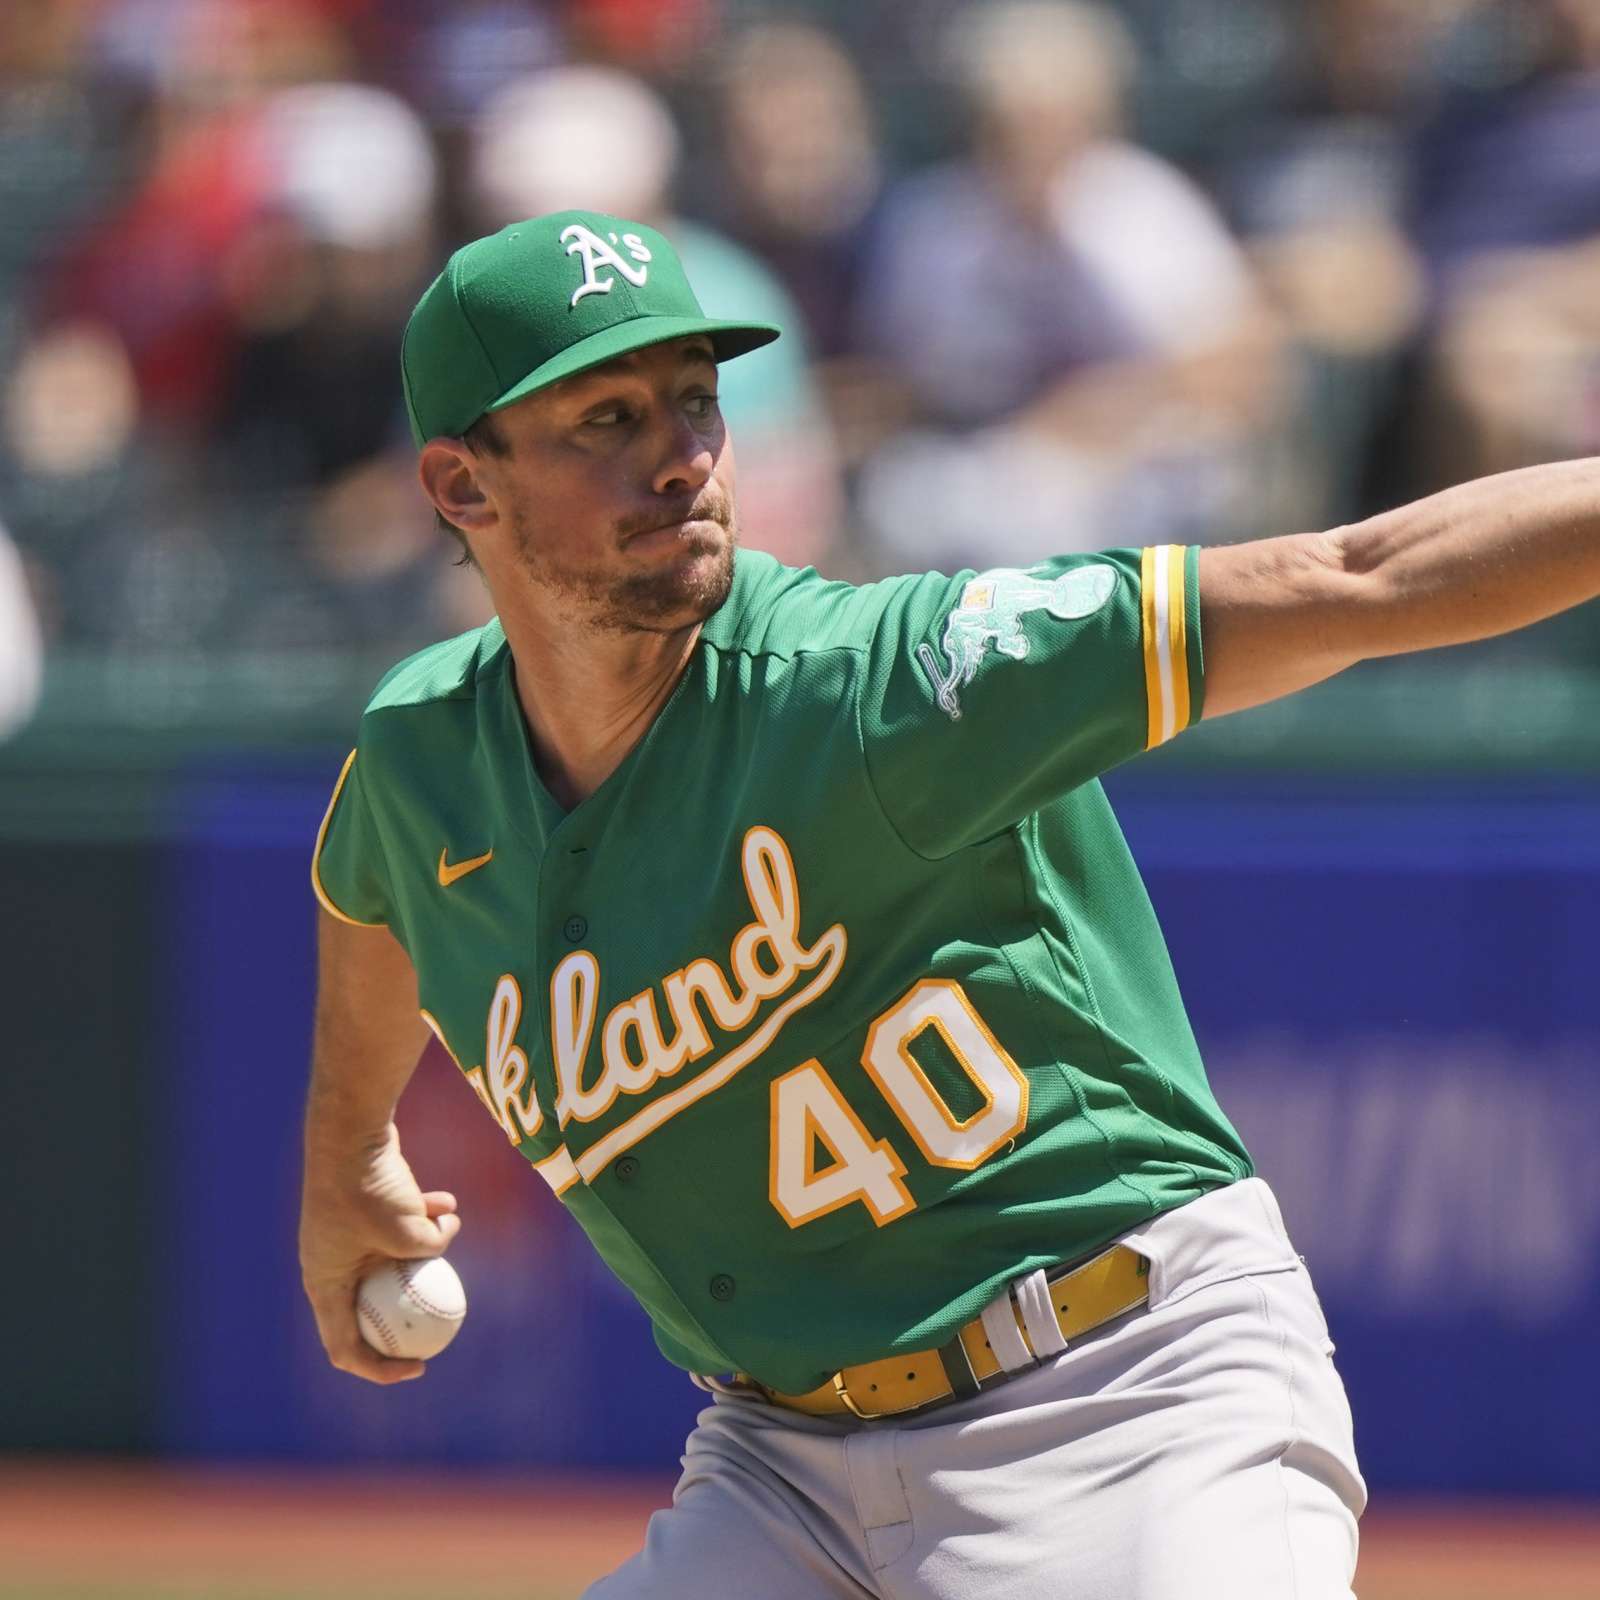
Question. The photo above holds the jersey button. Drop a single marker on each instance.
(722, 1287)
(575, 928)
(626, 1167)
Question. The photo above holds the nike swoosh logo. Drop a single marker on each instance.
(449, 874)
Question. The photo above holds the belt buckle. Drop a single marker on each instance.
(958, 1371)
(842, 1389)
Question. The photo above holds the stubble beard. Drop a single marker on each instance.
(665, 601)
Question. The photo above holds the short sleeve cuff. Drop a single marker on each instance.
(1170, 607)
(324, 899)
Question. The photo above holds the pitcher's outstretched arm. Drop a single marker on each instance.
(1473, 561)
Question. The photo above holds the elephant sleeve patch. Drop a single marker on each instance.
(989, 615)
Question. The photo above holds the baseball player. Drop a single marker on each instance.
(784, 927)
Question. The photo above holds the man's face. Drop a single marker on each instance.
(616, 492)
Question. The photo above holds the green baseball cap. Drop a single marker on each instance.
(539, 301)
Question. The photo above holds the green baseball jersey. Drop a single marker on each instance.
(840, 1003)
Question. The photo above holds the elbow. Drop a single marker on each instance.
(1361, 588)
(1354, 551)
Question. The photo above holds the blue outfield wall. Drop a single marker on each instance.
(1398, 994)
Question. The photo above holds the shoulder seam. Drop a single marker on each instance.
(787, 655)
(464, 689)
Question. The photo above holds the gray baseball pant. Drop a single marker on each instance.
(1199, 1449)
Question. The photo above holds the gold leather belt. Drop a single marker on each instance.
(1114, 1282)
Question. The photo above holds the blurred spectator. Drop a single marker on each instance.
(59, 139)
(162, 272)
(594, 137)
(71, 406)
(805, 172)
(1321, 194)
(1519, 167)
(21, 648)
(69, 416)
(652, 37)
(463, 53)
(323, 292)
(201, 56)
(239, 320)
(1079, 342)
(1508, 218)
(321, 297)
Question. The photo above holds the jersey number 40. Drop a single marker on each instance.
(809, 1113)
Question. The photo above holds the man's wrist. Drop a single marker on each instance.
(342, 1135)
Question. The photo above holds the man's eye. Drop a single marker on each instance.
(702, 405)
(609, 419)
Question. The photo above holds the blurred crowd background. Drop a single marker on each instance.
(1055, 275)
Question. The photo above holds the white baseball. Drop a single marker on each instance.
(411, 1309)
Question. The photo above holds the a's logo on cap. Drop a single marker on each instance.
(580, 241)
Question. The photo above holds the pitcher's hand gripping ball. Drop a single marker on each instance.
(411, 1309)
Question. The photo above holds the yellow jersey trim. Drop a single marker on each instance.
(322, 834)
(558, 1170)
(1164, 605)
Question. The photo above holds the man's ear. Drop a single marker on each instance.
(448, 471)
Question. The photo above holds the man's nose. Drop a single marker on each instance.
(687, 458)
